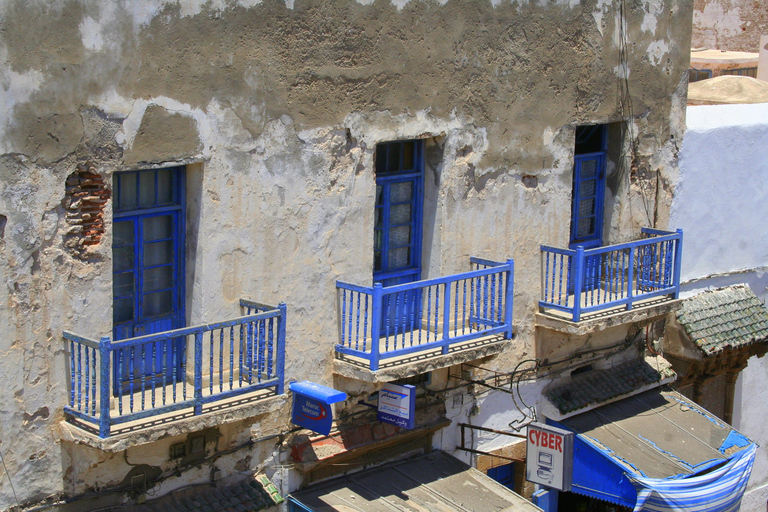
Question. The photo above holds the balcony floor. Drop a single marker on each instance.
(597, 320)
(409, 365)
(147, 430)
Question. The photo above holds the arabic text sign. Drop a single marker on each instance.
(397, 405)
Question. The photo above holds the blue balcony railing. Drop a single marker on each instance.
(379, 323)
(115, 382)
(582, 280)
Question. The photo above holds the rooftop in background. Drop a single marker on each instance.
(708, 56)
(730, 317)
(728, 90)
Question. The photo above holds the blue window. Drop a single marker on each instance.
(397, 230)
(694, 75)
(397, 224)
(148, 264)
(588, 186)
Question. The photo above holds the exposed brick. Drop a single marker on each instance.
(85, 198)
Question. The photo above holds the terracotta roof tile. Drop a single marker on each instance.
(726, 317)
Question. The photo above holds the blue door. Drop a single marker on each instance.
(148, 271)
(397, 230)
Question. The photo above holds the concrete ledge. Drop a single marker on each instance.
(173, 424)
(415, 364)
(559, 321)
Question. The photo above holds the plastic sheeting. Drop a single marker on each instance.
(720, 490)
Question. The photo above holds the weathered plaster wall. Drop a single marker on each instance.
(734, 25)
(279, 107)
(720, 204)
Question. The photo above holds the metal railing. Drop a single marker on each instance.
(378, 322)
(114, 382)
(582, 280)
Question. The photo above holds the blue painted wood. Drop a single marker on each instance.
(508, 302)
(105, 349)
(268, 358)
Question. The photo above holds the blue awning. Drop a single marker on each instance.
(658, 449)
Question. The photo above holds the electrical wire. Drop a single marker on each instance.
(10, 481)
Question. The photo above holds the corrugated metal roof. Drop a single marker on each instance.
(434, 482)
(726, 317)
(657, 435)
(599, 386)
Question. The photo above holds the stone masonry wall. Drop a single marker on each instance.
(276, 109)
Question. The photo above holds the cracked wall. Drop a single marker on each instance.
(276, 109)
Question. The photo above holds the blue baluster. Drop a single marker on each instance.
(131, 356)
(509, 286)
(72, 373)
(344, 317)
(105, 347)
(464, 306)
(678, 263)
(164, 364)
(546, 276)
(198, 377)
(429, 311)
(492, 302)
(437, 307)
(560, 259)
(365, 323)
(446, 315)
(270, 341)
(456, 307)
(280, 360)
(231, 356)
(183, 376)
(221, 359)
(143, 352)
(93, 382)
(357, 323)
(79, 376)
(240, 358)
(174, 371)
(351, 315)
(210, 371)
(578, 281)
(87, 378)
(376, 312)
(251, 355)
(153, 365)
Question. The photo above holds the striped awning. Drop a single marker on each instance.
(720, 490)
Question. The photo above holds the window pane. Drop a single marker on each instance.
(588, 168)
(165, 186)
(122, 284)
(147, 188)
(158, 253)
(399, 236)
(126, 191)
(394, 157)
(158, 228)
(400, 192)
(586, 207)
(587, 188)
(158, 278)
(399, 258)
(381, 158)
(156, 304)
(400, 214)
(379, 195)
(122, 310)
(378, 235)
(586, 227)
(122, 259)
(408, 155)
(377, 261)
(123, 233)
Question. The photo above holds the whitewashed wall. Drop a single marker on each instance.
(721, 203)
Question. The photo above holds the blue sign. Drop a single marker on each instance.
(312, 405)
(397, 405)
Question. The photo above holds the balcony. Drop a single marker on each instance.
(135, 383)
(584, 284)
(397, 331)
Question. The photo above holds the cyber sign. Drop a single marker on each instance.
(549, 456)
(397, 405)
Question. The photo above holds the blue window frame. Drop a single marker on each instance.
(504, 474)
(398, 222)
(148, 265)
(588, 186)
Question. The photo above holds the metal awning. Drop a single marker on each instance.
(434, 481)
(650, 437)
